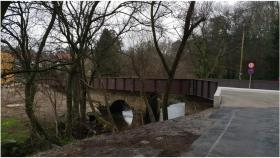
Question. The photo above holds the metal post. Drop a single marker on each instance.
(124, 84)
(208, 89)
(202, 88)
(133, 87)
(155, 85)
(250, 81)
(107, 83)
(241, 54)
(115, 80)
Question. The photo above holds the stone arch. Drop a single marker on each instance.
(118, 108)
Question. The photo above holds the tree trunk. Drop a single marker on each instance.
(76, 99)
(149, 109)
(165, 99)
(83, 97)
(30, 91)
(83, 105)
(142, 92)
(114, 128)
(55, 114)
(69, 97)
(148, 106)
(98, 118)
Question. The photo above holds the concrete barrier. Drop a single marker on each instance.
(256, 84)
(244, 97)
(217, 97)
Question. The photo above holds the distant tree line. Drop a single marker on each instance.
(213, 50)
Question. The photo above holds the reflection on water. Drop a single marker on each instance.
(174, 111)
(128, 116)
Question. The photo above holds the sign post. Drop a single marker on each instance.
(251, 70)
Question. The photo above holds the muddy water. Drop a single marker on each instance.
(128, 116)
(174, 111)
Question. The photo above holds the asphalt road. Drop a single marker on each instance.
(240, 132)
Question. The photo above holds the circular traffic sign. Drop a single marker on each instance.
(251, 71)
(251, 65)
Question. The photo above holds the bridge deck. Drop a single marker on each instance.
(201, 88)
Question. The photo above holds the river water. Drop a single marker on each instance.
(128, 116)
(174, 111)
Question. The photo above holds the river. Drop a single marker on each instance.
(174, 111)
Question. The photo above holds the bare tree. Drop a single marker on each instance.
(74, 22)
(55, 99)
(79, 23)
(4, 7)
(17, 31)
(188, 28)
(140, 65)
(210, 47)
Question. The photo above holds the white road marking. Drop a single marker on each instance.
(222, 134)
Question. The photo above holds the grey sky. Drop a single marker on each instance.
(171, 33)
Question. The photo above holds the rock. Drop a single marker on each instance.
(14, 105)
(10, 147)
(144, 142)
(9, 141)
(159, 138)
(55, 146)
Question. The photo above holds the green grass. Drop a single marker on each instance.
(13, 129)
(65, 141)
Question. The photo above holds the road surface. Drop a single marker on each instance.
(242, 130)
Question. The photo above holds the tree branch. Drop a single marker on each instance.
(156, 42)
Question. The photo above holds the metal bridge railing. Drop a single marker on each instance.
(201, 88)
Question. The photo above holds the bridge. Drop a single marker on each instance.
(194, 87)
(247, 116)
(124, 93)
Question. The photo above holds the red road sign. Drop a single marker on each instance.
(251, 65)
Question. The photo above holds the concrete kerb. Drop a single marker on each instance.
(218, 97)
(222, 90)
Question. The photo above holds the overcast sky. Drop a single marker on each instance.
(172, 25)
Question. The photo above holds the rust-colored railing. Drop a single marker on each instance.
(194, 87)
(201, 88)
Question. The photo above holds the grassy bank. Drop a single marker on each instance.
(14, 129)
(14, 135)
